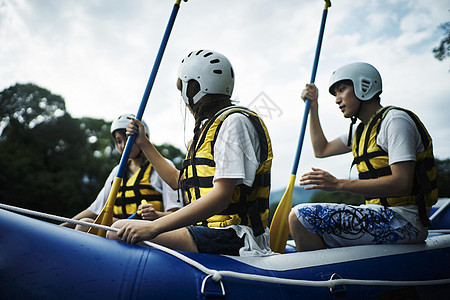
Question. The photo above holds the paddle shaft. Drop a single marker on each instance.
(279, 229)
(105, 217)
(148, 89)
(307, 101)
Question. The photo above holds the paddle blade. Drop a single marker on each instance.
(279, 228)
(106, 216)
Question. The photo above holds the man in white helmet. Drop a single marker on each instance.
(393, 154)
(142, 188)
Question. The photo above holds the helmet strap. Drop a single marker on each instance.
(354, 119)
(350, 131)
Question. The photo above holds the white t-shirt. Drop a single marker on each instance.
(236, 154)
(399, 137)
(171, 199)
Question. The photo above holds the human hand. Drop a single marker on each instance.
(311, 93)
(319, 179)
(135, 127)
(134, 231)
(148, 212)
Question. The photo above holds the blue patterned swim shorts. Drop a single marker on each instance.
(345, 225)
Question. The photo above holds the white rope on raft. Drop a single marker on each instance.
(54, 217)
(217, 275)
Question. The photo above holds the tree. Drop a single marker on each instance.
(29, 105)
(172, 153)
(443, 179)
(443, 50)
(338, 197)
(47, 161)
(50, 161)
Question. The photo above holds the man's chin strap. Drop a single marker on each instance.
(354, 119)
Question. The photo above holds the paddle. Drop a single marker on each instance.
(137, 214)
(105, 217)
(279, 228)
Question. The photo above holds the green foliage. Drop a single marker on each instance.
(443, 177)
(50, 161)
(172, 153)
(299, 195)
(443, 50)
(338, 197)
(272, 208)
(29, 105)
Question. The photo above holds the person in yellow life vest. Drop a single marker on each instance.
(141, 182)
(225, 176)
(393, 153)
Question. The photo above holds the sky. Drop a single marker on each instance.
(98, 55)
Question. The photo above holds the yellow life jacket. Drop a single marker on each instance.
(248, 205)
(373, 162)
(134, 190)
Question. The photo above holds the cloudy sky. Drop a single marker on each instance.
(98, 56)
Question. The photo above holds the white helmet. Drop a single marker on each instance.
(366, 80)
(212, 70)
(122, 122)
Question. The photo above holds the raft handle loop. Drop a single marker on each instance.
(212, 293)
(334, 291)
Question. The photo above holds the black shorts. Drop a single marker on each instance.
(216, 241)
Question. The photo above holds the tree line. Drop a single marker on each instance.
(50, 161)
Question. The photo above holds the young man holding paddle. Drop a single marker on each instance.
(394, 156)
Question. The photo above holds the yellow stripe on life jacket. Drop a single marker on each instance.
(134, 190)
(249, 205)
(373, 162)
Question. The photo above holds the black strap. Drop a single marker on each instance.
(386, 171)
(197, 161)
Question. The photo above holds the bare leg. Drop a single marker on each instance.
(84, 228)
(304, 239)
(178, 239)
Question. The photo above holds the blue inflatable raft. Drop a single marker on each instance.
(40, 260)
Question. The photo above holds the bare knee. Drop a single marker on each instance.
(113, 234)
(295, 227)
(304, 239)
(84, 228)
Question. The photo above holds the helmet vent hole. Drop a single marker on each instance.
(217, 71)
(208, 54)
(198, 52)
(365, 85)
(232, 72)
(215, 61)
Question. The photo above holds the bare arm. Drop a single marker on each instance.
(148, 212)
(212, 203)
(84, 214)
(322, 147)
(166, 171)
(398, 184)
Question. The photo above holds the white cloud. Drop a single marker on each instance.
(98, 55)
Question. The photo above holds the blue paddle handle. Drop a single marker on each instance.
(148, 89)
(134, 216)
(307, 101)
